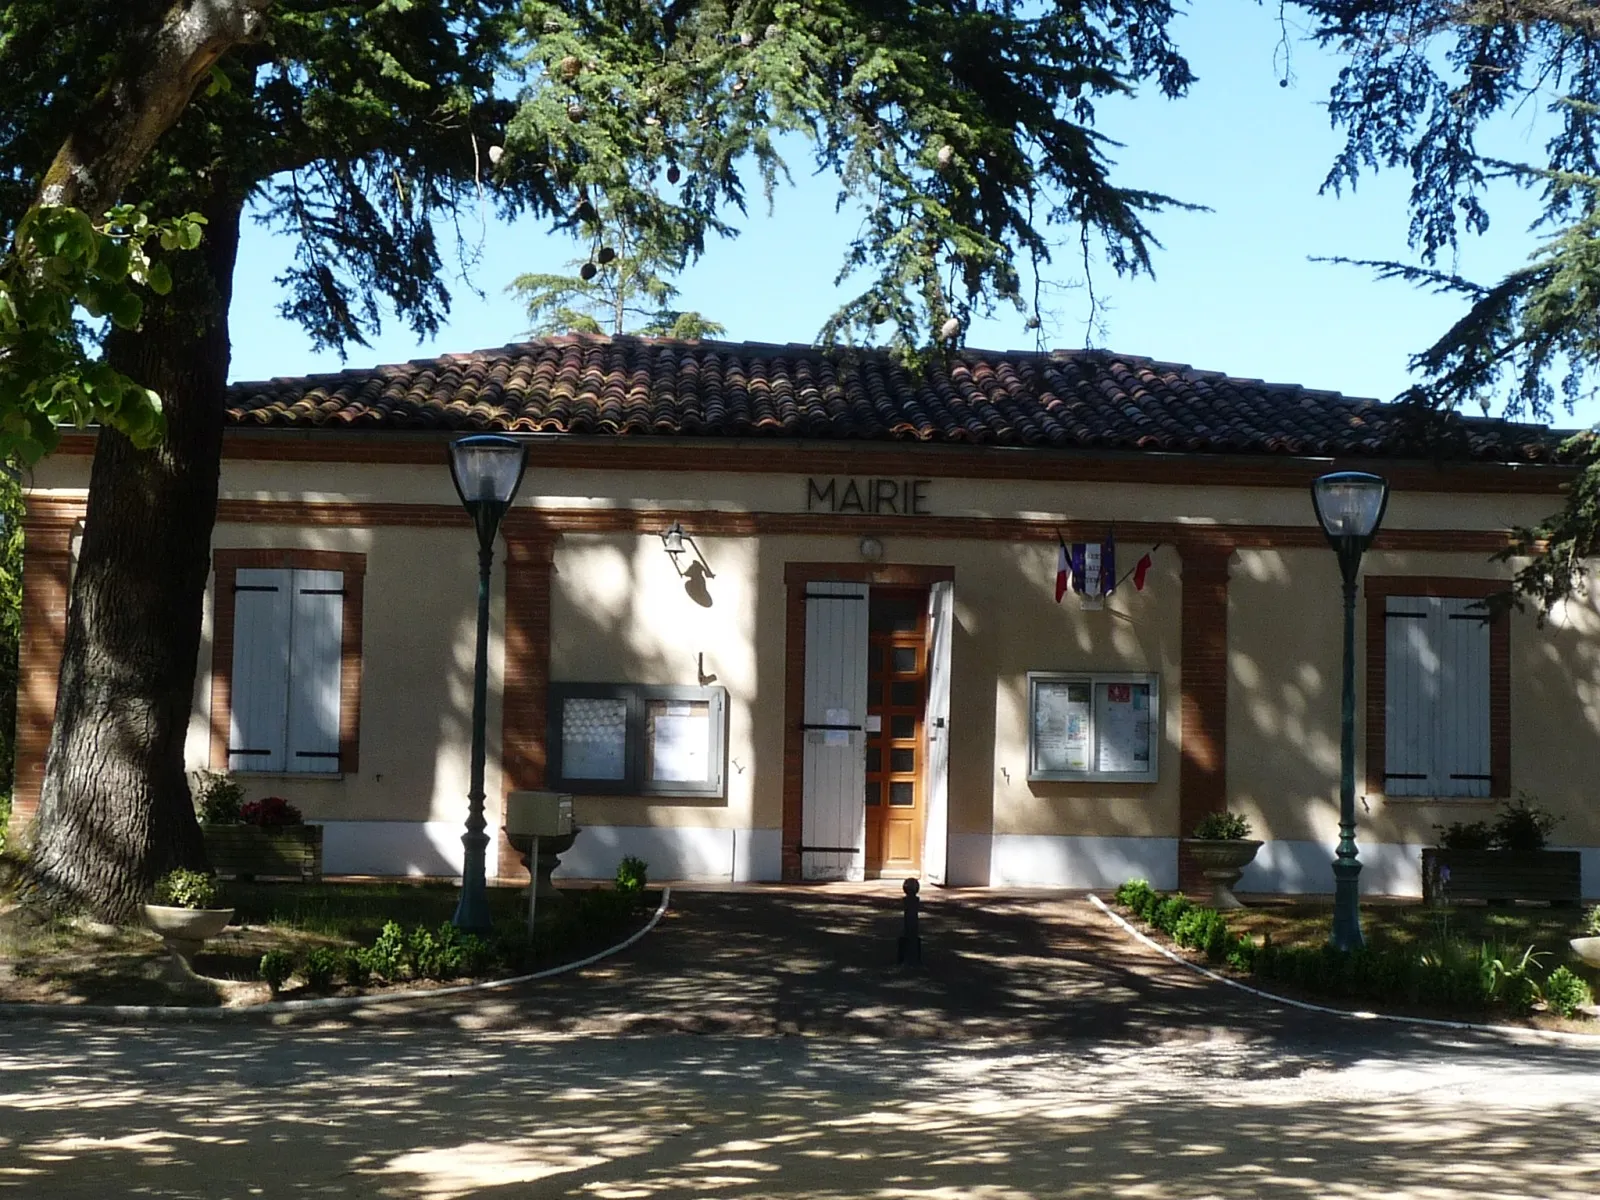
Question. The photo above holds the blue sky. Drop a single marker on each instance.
(1234, 288)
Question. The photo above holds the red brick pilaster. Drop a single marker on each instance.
(526, 686)
(1203, 770)
(46, 587)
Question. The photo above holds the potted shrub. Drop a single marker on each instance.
(1502, 859)
(259, 837)
(183, 910)
(1221, 847)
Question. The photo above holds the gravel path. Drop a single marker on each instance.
(1050, 1057)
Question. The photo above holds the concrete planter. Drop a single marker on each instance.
(184, 930)
(1221, 862)
(247, 851)
(1588, 949)
(1501, 876)
(550, 851)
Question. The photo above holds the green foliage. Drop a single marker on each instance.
(61, 262)
(321, 965)
(11, 514)
(1203, 929)
(1521, 824)
(276, 967)
(217, 796)
(632, 875)
(1565, 992)
(1224, 826)
(1170, 911)
(1464, 835)
(355, 968)
(388, 955)
(5, 819)
(1591, 921)
(183, 888)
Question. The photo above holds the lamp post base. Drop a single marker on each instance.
(1347, 905)
(472, 911)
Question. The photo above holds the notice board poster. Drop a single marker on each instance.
(1061, 718)
(679, 738)
(1122, 723)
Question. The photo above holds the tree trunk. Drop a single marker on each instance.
(149, 88)
(115, 811)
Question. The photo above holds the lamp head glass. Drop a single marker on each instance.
(487, 468)
(1350, 504)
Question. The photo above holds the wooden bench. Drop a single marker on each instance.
(1501, 876)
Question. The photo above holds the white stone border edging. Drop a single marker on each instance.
(1354, 1015)
(185, 1012)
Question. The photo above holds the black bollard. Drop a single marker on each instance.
(910, 940)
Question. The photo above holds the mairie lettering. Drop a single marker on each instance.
(894, 497)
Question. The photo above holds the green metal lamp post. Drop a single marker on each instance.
(1350, 507)
(487, 470)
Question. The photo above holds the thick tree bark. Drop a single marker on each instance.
(143, 97)
(115, 811)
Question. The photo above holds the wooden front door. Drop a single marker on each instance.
(897, 687)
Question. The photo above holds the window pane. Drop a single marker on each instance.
(1061, 726)
(902, 795)
(901, 761)
(594, 738)
(902, 727)
(905, 695)
(1122, 726)
(874, 794)
(905, 660)
(678, 741)
(895, 614)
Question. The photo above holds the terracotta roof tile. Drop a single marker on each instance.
(1067, 399)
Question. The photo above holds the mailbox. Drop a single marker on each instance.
(539, 814)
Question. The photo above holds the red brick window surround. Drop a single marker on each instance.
(227, 564)
(1379, 590)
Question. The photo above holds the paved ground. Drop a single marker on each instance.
(1052, 1058)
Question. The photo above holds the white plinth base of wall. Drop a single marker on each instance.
(1038, 860)
(392, 847)
(676, 852)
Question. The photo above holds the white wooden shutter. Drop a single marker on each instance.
(261, 621)
(1411, 686)
(1461, 728)
(833, 823)
(314, 659)
(936, 833)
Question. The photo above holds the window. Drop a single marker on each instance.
(1095, 726)
(637, 740)
(286, 661)
(1438, 690)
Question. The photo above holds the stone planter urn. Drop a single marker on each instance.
(550, 851)
(184, 930)
(1588, 949)
(1221, 862)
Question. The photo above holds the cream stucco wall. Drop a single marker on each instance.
(622, 612)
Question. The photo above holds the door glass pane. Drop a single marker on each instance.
(874, 794)
(902, 760)
(905, 660)
(905, 695)
(902, 727)
(678, 741)
(902, 795)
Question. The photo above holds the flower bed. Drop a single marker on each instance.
(1445, 975)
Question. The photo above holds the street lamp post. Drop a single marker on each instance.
(487, 470)
(1350, 506)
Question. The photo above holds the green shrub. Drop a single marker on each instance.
(217, 797)
(1203, 929)
(1240, 953)
(354, 967)
(321, 965)
(1591, 921)
(632, 874)
(1222, 826)
(1463, 835)
(1521, 824)
(5, 819)
(186, 889)
(276, 967)
(1134, 894)
(1565, 992)
(1169, 912)
(387, 954)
